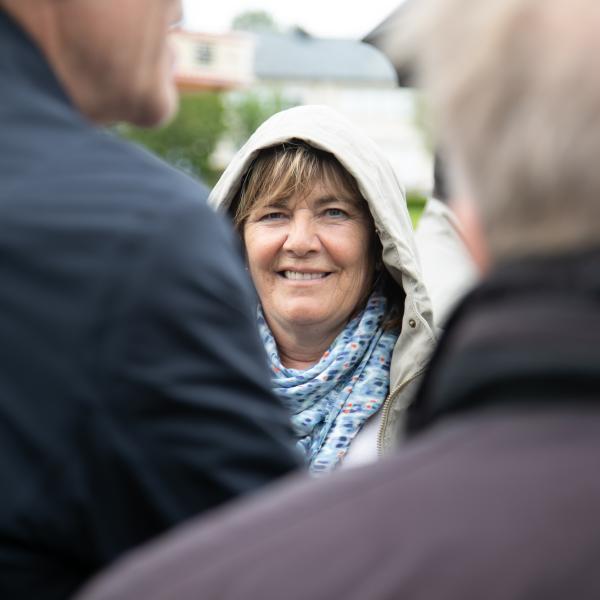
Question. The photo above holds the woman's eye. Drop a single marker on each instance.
(272, 216)
(336, 212)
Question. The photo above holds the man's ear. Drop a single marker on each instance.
(472, 229)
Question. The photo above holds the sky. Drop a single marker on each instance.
(320, 18)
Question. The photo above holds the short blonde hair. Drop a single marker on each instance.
(515, 89)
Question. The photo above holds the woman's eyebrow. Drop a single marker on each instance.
(275, 203)
(331, 199)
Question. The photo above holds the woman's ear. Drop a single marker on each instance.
(472, 231)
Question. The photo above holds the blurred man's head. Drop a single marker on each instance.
(515, 86)
(112, 56)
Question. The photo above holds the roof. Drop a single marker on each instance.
(384, 36)
(299, 56)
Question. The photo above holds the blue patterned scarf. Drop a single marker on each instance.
(332, 400)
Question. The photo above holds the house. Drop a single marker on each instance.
(357, 80)
(348, 75)
(206, 61)
(386, 36)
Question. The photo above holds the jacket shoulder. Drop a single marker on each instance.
(112, 165)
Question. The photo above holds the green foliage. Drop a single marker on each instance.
(254, 21)
(190, 139)
(416, 204)
(246, 111)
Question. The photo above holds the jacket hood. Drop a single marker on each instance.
(327, 130)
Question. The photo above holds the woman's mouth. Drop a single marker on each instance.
(301, 276)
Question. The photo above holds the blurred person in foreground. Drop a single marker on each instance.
(497, 494)
(343, 312)
(133, 389)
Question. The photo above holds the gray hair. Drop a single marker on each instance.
(515, 89)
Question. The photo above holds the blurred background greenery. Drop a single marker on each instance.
(188, 141)
(204, 119)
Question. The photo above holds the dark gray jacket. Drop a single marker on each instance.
(133, 390)
(496, 497)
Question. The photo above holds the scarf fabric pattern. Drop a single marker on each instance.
(332, 400)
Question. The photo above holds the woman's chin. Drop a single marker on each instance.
(301, 313)
(305, 320)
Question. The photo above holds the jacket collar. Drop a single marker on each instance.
(22, 62)
(528, 334)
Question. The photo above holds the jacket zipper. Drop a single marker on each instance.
(387, 405)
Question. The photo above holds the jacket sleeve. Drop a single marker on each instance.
(186, 419)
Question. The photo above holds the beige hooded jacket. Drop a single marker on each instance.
(324, 128)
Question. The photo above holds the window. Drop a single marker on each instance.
(204, 53)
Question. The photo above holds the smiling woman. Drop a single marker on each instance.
(310, 248)
(343, 313)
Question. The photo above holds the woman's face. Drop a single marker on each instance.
(310, 258)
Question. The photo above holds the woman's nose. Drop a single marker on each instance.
(302, 236)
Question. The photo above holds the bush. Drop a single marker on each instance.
(415, 201)
(248, 110)
(189, 141)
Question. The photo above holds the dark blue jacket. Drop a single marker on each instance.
(133, 389)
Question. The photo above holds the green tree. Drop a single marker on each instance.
(189, 141)
(254, 21)
(247, 110)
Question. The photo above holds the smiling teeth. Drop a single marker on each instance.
(302, 276)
